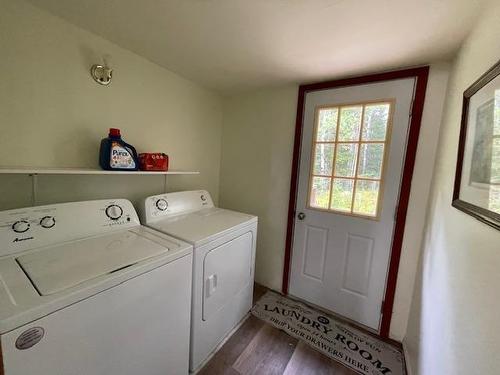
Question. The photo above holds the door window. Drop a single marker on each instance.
(350, 147)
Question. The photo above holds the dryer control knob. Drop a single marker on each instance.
(20, 226)
(47, 222)
(161, 204)
(114, 212)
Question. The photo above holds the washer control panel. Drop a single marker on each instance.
(161, 204)
(170, 204)
(26, 228)
(47, 222)
(114, 211)
(21, 226)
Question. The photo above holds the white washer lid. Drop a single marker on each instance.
(202, 226)
(56, 268)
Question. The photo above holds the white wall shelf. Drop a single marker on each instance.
(33, 172)
(86, 171)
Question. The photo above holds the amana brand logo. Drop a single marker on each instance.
(29, 338)
(23, 239)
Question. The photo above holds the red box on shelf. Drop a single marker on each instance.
(155, 161)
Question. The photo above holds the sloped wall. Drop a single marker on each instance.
(52, 113)
(454, 324)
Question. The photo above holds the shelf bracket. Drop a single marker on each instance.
(34, 188)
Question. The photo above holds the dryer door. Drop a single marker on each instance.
(226, 271)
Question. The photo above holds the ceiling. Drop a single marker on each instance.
(237, 45)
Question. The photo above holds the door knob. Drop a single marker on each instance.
(301, 216)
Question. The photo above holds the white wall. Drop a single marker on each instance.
(454, 324)
(257, 147)
(53, 114)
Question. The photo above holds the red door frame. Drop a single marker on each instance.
(421, 75)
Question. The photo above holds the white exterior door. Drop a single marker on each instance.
(351, 161)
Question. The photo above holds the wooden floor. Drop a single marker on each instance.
(260, 349)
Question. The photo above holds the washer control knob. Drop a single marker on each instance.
(47, 222)
(161, 204)
(114, 212)
(20, 226)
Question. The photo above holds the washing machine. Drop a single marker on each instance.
(86, 290)
(223, 264)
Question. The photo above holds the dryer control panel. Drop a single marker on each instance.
(170, 204)
(27, 228)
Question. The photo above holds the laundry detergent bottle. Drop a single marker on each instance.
(117, 155)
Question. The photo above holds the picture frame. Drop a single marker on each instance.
(477, 177)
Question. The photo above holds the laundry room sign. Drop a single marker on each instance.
(361, 352)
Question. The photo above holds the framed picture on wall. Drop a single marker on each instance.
(477, 178)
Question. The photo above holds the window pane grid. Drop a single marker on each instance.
(334, 159)
(356, 172)
(347, 178)
(346, 142)
(357, 158)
